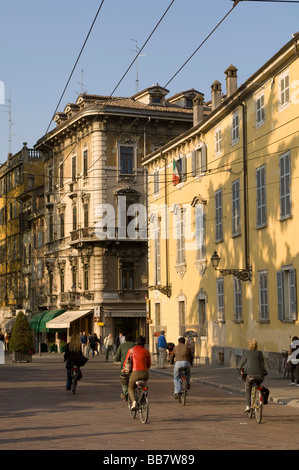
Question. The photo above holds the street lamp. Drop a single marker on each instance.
(242, 274)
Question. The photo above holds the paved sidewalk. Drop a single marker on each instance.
(227, 379)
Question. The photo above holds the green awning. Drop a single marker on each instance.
(38, 322)
(35, 321)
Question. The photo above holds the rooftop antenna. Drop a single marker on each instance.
(82, 83)
(138, 55)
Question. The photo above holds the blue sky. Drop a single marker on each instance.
(40, 42)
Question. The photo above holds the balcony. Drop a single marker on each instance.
(89, 234)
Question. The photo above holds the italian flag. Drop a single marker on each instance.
(175, 173)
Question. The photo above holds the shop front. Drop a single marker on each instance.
(45, 337)
(72, 321)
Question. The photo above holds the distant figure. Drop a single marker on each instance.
(108, 344)
(161, 344)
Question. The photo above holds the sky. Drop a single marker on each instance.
(40, 42)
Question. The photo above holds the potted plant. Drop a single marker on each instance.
(21, 341)
(63, 346)
(52, 347)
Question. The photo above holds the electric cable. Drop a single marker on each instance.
(75, 65)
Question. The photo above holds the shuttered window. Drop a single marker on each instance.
(261, 213)
(285, 185)
(218, 216)
(287, 294)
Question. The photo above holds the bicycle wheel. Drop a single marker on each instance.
(132, 412)
(184, 390)
(74, 384)
(258, 406)
(144, 409)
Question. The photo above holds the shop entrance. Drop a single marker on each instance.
(126, 325)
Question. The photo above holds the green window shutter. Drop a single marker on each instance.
(279, 277)
(293, 294)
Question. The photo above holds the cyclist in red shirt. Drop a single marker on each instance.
(140, 369)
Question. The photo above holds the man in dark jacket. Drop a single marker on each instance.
(120, 355)
(181, 356)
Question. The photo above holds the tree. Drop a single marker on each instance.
(21, 337)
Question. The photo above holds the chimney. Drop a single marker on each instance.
(231, 80)
(198, 109)
(216, 94)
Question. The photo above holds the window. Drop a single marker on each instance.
(156, 182)
(85, 214)
(50, 179)
(51, 277)
(182, 316)
(218, 216)
(287, 294)
(179, 169)
(200, 231)
(85, 163)
(261, 213)
(285, 183)
(51, 228)
(74, 218)
(218, 140)
(157, 254)
(61, 175)
(127, 273)
(199, 160)
(180, 236)
(61, 225)
(157, 313)
(62, 280)
(126, 159)
(284, 89)
(86, 277)
(236, 210)
(220, 299)
(260, 110)
(237, 299)
(235, 128)
(263, 295)
(74, 168)
(74, 278)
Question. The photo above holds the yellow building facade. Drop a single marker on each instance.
(227, 189)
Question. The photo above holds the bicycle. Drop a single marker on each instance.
(74, 375)
(257, 400)
(183, 393)
(141, 397)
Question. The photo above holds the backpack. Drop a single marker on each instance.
(129, 363)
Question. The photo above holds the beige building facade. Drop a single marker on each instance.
(95, 245)
(225, 191)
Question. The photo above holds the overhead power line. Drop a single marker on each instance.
(196, 50)
(140, 50)
(75, 65)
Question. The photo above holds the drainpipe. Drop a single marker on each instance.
(166, 222)
(245, 185)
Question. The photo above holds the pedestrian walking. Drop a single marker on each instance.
(83, 339)
(293, 360)
(108, 345)
(161, 344)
